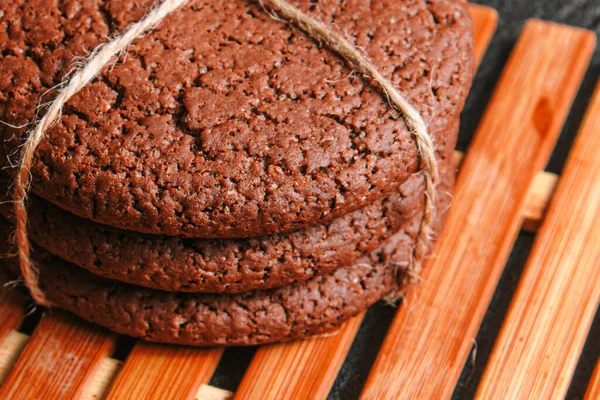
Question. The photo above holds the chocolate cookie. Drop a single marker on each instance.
(248, 318)
(227, 265)
(224, 122)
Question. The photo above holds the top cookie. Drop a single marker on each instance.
(223, 122)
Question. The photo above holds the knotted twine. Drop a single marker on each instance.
(103, 54)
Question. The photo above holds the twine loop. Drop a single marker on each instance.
(279, 9)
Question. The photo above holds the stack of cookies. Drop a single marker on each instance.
(228, 180)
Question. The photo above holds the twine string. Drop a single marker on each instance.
(413, 120)
(97, 60)
(103, 54)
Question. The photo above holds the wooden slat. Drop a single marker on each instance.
(102, 379)
(593, 390)
(104, 375)
(307, 369)
(552, 310)
(485, 20)
(537, 199)
(58, 359)
(164, 372)
(304, 369)
(207, 392)
(427, 345)
(12, 304)
(10, 349)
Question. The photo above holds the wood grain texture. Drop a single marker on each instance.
(58, 360)
(542, 187)
(10, 349)
(179, 372)
(537, 199)
(533, 209)
(12, 304)
(552, 310)
(102, 379)
(307, 369)
(301, 369)
(155, 371)
(207, 392)
(593, 390)
(427, 345)
(485, 20)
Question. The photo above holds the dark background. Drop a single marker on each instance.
(513, 13)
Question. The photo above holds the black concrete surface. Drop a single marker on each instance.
(513, 14)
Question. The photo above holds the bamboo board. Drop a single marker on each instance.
(13, 306)
(428, 344)
(62, 355)
(307, 369)
(552, 310)
(280, 371)
(152, 368)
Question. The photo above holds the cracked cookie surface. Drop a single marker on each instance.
(227, 265)
(223, 122)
